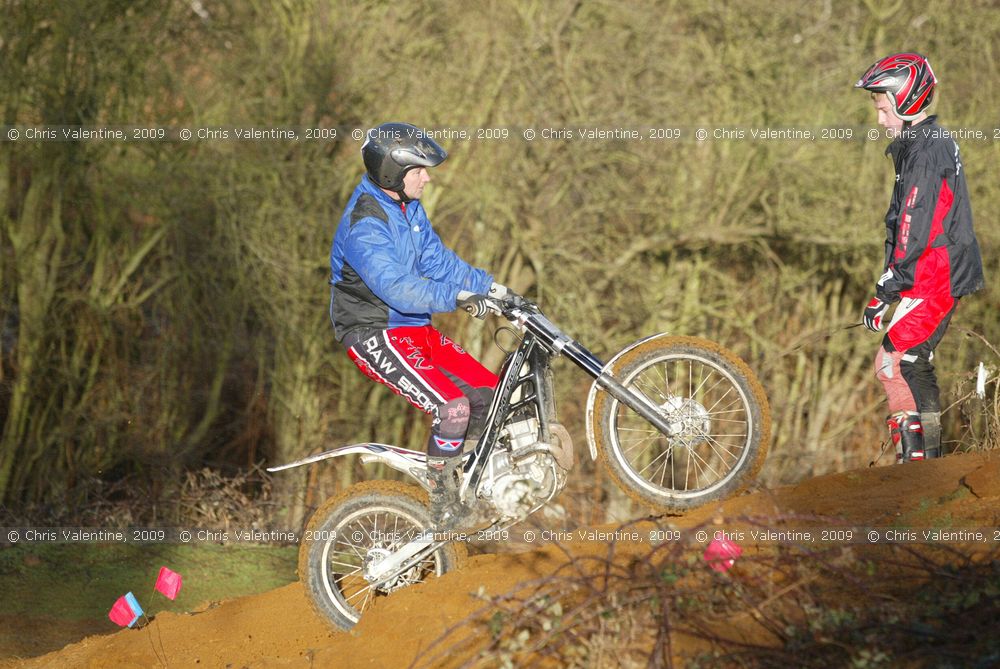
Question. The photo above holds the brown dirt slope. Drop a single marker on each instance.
(277, 629)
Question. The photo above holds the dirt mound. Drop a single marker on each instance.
(277, 629)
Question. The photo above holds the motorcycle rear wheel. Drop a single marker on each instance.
(365, 522)
(718, 408)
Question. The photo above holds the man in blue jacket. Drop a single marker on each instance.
(390, 272)
(931, 254)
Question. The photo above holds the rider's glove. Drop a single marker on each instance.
(873, 314)
(502, 293)
(498, 291)
(477, 305)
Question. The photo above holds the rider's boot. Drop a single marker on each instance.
(444, 478)
(931, 420)
(907, 436)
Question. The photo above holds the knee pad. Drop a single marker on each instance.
(479, 406)
(454, 418)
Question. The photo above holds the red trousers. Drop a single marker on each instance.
(903, 363)
(434, 374)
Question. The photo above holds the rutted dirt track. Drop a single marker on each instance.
(277, 628)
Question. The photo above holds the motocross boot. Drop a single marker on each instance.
(444, 479)
(907, 436)
(932, 434)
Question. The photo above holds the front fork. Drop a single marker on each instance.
(559, 342)
(637, 402)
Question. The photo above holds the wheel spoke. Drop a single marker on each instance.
(640, 441)
(704, 461)
(664, 467)
(331, 560)
(694, 393)
(364, 590)
(651, 386)
(716, 385)
(734, 401)
(712, 408)
(687, 470)
(718, 446)
(357, 549)
(364, 604)
(673, 474)
(653, 461)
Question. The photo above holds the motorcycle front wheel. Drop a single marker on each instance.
(719, 417)
(365, 523)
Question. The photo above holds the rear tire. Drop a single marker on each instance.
(366, 521)
(719, 410)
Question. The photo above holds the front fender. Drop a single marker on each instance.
(594, 388)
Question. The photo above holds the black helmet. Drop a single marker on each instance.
(907, 78)
(393, 149)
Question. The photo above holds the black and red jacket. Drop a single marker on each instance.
(930, 247)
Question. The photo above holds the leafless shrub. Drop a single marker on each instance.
(978, 415)
(210, 500)
(783, 604)
(205, 498)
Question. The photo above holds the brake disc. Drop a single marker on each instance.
(690, 423)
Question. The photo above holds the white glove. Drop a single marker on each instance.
(872, 317)
(499, 291)
(477, 305)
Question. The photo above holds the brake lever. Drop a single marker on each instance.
(517, 311)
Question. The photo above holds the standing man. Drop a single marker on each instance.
(390, 272)
(931, 253)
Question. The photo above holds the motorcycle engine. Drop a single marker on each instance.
(520, 480)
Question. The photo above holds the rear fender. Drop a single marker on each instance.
(411, 463)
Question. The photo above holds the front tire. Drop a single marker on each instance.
(720, 416)
(365, 522)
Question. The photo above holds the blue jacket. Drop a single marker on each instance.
(389, 268)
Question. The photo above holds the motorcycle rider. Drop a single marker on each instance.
(389, 273)
(931, 254)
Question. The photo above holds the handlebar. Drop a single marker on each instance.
(511, 306)
(529, 318)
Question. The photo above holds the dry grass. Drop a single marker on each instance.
(165, 300)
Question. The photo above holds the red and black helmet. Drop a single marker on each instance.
(907, 78)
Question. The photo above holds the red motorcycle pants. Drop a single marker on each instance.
(434, 374)
(903, 363)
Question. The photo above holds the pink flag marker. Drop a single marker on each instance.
(721, 554)
(126, 611)
(168, 583)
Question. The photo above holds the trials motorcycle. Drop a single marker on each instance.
(677, 421)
